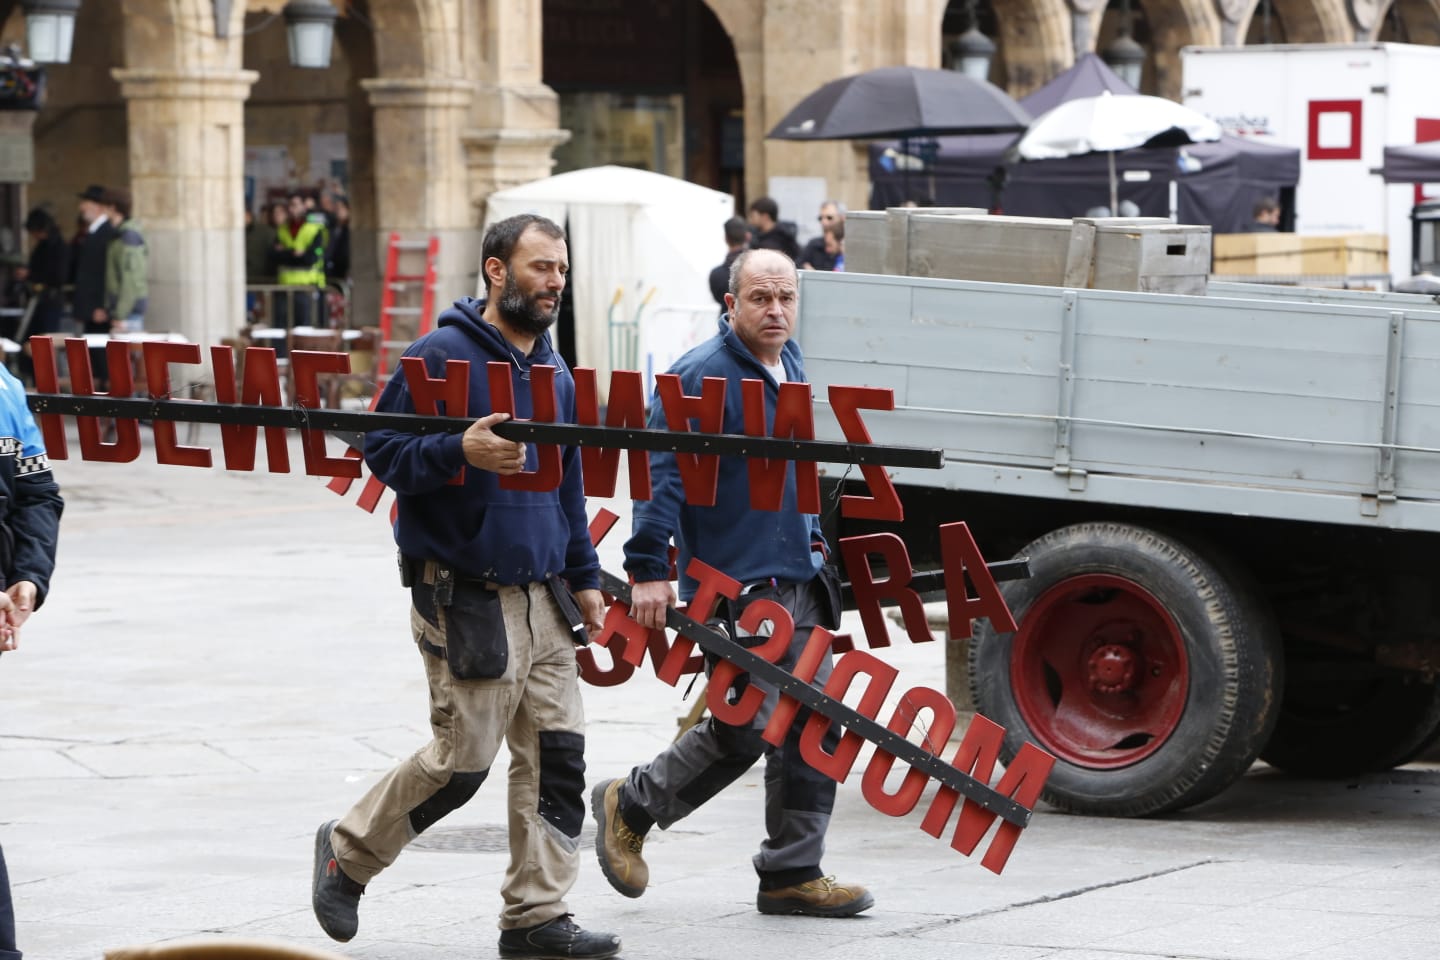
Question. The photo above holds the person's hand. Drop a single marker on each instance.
(487, 450)
(648, 602)
(592, 610)
(22, 594)
(9, 627)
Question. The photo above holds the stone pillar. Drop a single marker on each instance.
(420, 174)
(187, 162)
(515, 124)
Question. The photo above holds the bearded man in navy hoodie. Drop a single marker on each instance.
(503, 584)
(777, 555)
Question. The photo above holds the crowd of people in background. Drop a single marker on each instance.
(301, 242)
(762, 229)
(96, 282)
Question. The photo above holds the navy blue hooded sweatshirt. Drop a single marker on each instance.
(480, 530)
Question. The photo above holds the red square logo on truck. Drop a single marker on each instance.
(1334, 130)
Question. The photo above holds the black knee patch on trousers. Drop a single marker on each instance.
(742, 746)
(562, 780)
(455, 794)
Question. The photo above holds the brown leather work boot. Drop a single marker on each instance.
(816, 898)
(616, 845)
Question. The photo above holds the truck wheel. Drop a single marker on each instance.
(1342, 719)
(1152, 676)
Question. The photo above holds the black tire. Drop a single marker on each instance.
(1173, 666)
(1342, 719)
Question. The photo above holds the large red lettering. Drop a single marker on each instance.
(817, 648)
(47, 380)
(447, 396)
(1022, 782)
(158, 355)
(699, 473)
(882, 675)
(262, 386)
(626, 409)
(546, 475)
(884, 502)
(902, 721)
(960, 556)
(306, 366)
(742, 710)
(869, 591)
(82, 383)
(794, 419)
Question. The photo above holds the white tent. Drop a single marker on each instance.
(642, 246)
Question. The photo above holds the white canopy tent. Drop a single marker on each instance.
(642, 246)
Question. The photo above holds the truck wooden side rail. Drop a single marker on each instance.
(1231, 506)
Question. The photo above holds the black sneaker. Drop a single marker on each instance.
(335, 896)
(558, 939)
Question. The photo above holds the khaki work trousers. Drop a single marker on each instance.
(539, 693)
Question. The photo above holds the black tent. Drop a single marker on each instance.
(1216, 183)
(1418, 163)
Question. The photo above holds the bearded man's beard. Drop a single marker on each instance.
(524, 313)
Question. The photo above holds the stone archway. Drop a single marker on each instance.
(1409, 21)
(1305, 21)
(1038, 39)
(1175, 24)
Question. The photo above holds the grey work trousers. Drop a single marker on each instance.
(712, 755)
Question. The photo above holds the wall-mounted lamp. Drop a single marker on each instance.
(50, 29)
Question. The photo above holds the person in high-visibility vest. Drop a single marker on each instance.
(300, 262)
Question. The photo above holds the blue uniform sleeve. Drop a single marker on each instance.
(33, 513)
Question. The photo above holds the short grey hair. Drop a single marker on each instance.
(739, 265)
(839, 207)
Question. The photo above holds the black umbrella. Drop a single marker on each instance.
(901, 102)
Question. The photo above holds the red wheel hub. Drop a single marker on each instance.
(1099, 671)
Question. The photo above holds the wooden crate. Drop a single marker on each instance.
(1345, 254)
(1144, 254)
(1257, 254)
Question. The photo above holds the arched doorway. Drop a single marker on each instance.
(1411, 21)
(649, 84)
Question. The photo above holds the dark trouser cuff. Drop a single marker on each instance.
(634, 815)
(780, 879)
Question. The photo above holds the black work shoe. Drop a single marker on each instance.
(816, 898)
(616, 845)
(336, 897)
(558, 939)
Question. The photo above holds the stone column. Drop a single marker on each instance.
(420, 174)
(187, 162)
(515, 123)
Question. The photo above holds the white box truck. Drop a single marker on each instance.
(1341, 105)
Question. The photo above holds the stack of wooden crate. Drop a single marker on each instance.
(1142, 254)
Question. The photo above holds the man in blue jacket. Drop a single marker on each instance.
(491, 573)
(777, 555)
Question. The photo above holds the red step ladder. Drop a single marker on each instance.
(403, 283)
